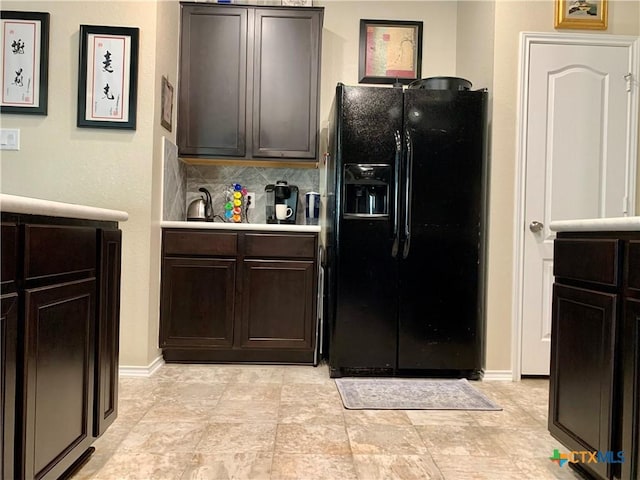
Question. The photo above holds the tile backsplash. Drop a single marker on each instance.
(217, 179)
(182, 182)
(174, 183)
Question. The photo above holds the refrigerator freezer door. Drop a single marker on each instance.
(440, 316)
(369, 116)
(364, 324)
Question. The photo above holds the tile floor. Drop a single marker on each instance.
(287, 422)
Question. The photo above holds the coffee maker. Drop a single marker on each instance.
(281, 193)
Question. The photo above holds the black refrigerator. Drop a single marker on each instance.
(405, 236)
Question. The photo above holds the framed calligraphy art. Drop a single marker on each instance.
(108, 77)
(390, 51)
(25, 62)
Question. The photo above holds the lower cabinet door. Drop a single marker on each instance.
(631, 390)
(108, 331)
(581, 388)
(58, 376)
(198, 302)
(8, 343)
(278, 304)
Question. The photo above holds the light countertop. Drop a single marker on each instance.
(614, 224)
(37, 206)
(271, 227)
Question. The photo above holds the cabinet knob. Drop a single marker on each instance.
(536, 226)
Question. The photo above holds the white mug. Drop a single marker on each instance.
(283, 211)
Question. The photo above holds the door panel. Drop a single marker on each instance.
(581, 388)
(198, 302)
(59, 378)
(277, 304)
(370, 117)
(8, 344)
(285, 83)
(575, 148)
(107, 345)
(363, 310)
(211, 120)
(445, 132)
(365, 331)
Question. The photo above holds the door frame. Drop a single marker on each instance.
(527, 39)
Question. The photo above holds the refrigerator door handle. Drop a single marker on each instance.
(407, 195)
(396, 199)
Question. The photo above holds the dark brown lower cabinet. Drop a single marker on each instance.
(276, 304)
(59, 343)
(108, 331)
(198, 302)
(8, 343)
(59, 376)
(594, 403)
(584, 323)
(238, 297)
(631, 364)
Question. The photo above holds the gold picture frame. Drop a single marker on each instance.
(581, 14)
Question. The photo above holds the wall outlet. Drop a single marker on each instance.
(251, 196)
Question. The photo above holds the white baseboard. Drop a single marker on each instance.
(498, 375)
(126, 371)
(149, 370)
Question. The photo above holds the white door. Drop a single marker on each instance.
(578, 152)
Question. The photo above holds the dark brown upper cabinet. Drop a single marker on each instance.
(249, 82)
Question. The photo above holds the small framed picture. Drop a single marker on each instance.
(167, 104)
(108, 77)
(581, 14)
(25, 62)
(390, 51)
(297, 3)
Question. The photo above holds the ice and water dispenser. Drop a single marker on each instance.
(366, 190)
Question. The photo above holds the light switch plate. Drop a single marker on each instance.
(9, 138)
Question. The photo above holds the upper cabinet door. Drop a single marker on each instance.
(249, 82)
(212, 84)
(286, 72)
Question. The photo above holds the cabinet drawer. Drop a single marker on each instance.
(287, 246)
(189, 242)
(52, 250)
(590, 260)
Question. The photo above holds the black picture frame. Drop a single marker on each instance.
(404, 39)
(25, 62)
(108, 54)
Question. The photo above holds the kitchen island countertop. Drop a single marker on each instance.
(37, 206)
(270, 227)
(614, 224)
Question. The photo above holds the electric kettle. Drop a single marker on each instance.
(201, 209)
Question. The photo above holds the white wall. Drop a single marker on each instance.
(97, 167)
(341, 39)
(121, 169)
(166, 64)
